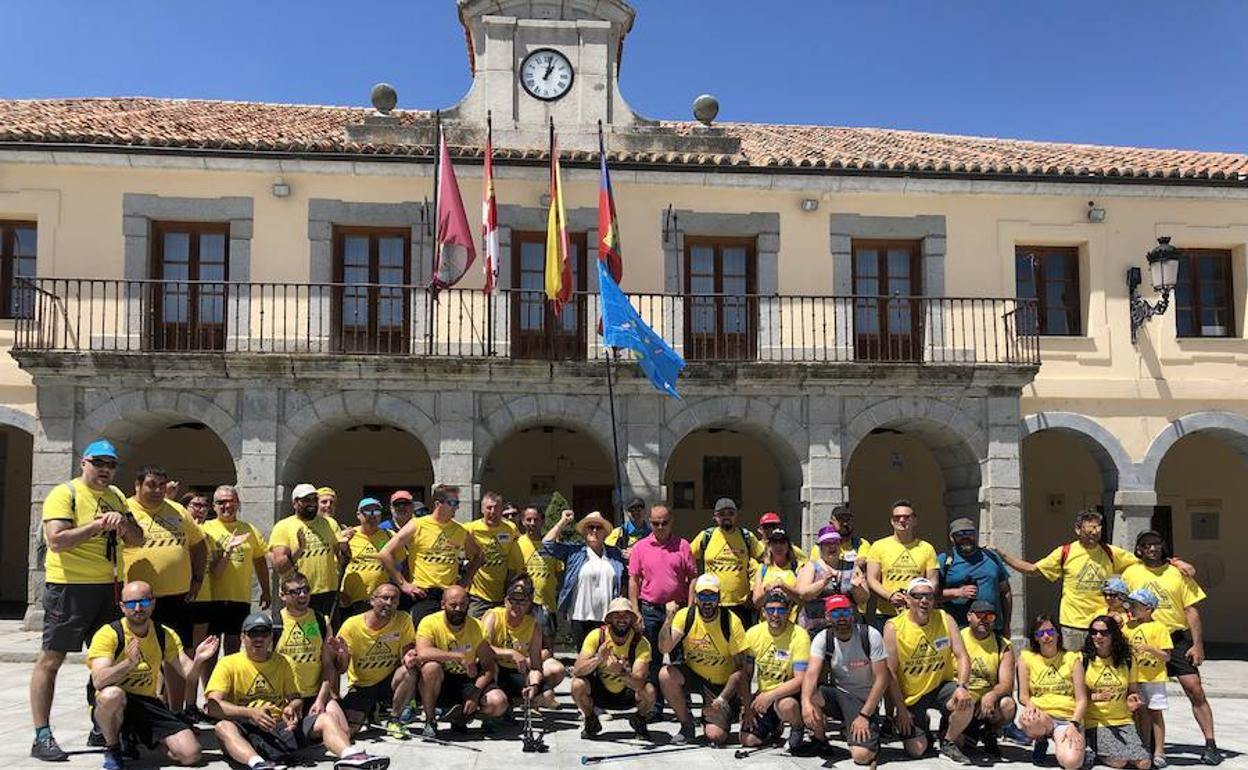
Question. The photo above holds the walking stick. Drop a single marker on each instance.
(596, 759)
(532, 743)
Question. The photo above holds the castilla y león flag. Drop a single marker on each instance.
(455, 248)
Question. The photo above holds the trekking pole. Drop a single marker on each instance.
(746, 753)
(600, 758)
(413, 734)
(531, 743)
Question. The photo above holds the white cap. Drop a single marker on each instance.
(706, 582)
(919, 582)
(302, 490)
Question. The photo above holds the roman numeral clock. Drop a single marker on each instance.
(546, 74)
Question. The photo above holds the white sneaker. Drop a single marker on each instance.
(363, 762)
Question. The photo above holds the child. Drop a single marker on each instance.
(1115, 592)
(1150, 649)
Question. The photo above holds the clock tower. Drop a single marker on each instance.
(537, 60)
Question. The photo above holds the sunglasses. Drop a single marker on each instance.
(298, 591)
(371, 511)
(707, 597)
(776, 610)
(904, 517)
(986, 615)
(840, 614)
(1045, 633)
(964, 533)
(1113, 595)
(452, 503)
(593, 528)
(103, 463)
(258, 632)
(922, 596)
(1098, 632)
(137, 604)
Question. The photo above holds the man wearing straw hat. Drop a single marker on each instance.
(612, 671)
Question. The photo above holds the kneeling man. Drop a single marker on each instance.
(383, 669)
(612, 671)
(457, 666)
(780, 652)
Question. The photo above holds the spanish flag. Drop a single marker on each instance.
(558, 264)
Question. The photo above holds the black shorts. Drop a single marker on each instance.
(511, 682)
(201, 613)
(936, 698)
(457, 687)
(177, 613)
(281, 742)
(767, 727)
(695, 683)
(73, 612)
(149, 720)
(845, 707)
(228, 617)
(363, 700)
(610, 701)
(324, 603)
(477, 607)
(1179, 665)
(425, 607)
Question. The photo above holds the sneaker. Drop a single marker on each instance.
(396, 730)
(684, 735)
(1089, 758)
(1013, 734)
(267, 765)
(1211, 755)
(990, 744)
(408, 714)
(113, 759)
(455, 715)
(430, 731)
(639, 724)
(95, 738)
(592, 726)
(952, 752)
(129, 746)
(1039, 751)
(363, 761)
(48, 750)
(1159, 762)
(796, 737)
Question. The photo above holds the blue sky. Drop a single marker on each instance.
(1137, 72)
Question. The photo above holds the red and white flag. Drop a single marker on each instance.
(455, 250)
(489, 220)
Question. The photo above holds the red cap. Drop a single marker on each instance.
(770, 517)
(402, 494)
(836, 602)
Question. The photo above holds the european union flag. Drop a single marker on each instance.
(622, 327)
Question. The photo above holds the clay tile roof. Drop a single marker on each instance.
(304, 129)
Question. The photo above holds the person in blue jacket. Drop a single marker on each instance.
(594, 573)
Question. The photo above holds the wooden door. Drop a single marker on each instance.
(721, 309)
(372, 295)
(535, 330)
(190, 262)
(888, 315)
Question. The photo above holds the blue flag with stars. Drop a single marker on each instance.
(622, 327)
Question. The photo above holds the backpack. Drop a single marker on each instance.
(707, 533)
(948, 562)
(121, 650)
(110, 550)
(1066, 552)
(604, 630)
(725, 623)
(864, 638)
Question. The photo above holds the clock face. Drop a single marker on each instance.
(546, 74)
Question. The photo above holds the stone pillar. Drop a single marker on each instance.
(823, 485)
(261, 500)
(1132, 514)
(1001, 522)
(641, 416)
(53, 463)
(455, 461)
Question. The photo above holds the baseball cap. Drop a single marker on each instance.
(961, 525)
(1148, 533)
(322, 491)
(1145, 597)
(770, 517)
(724, 503)
(257, 620)
(302, 490)
(828, 534)
(776, 595)
(401, 496)
(837, 602)
(1114, 585)
(981, 605)
(368, 502)
(521, 590)
(101, 448)
(636, 502)
(778, 535)
(842, 512)
(706, 583)
(919, 582)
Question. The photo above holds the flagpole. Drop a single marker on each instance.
(437, 168)
(550, 333)
(611, 359)
(485, 247)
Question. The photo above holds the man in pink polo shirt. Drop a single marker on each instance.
(660, 569)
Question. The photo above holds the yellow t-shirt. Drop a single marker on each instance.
(1153, 634)
(1175, 592)
(375, 653)
(501, 555)
(301, 642)
(925, 655)
(269, 685)
(985, 658)
(505, 637)
(319, 560)
(616, 538)
(593, 640)
(706, 650)
(434, 552)
(1107, 679)
(770, 574)
(1082, 578)
(729, 560)
(899, 564)
(365, 571)
(777, 657)
(145, 678)
(544, 570)
(234, 582)
(163, 561)
(434, 628)
(86, 562)
(1051, 682)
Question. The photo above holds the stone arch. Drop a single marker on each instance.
(129, 417)
(589, 414)
(1110, 456)
(1230, 427)
(17, 418)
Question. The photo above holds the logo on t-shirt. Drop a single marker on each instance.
(1090, 578)
(902, 570)
(1051, 682)
(380, 655)
(925, 659)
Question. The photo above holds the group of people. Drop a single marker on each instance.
(435, 620)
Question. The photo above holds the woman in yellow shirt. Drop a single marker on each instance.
(1111, 682)
(1052, 693)
(778, 571)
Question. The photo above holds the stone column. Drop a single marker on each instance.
(641, 416)
(53, 463)
(824, 482)
(260, 499)
(1132, 514)
(1001, 522)
(455, 460)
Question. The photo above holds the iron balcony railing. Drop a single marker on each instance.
(133, 316)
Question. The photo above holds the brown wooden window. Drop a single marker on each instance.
(535, 331)
(190, 263)
(1203, 297)
(887, 314)
(372, 291)
(1049, 275)
(721, 306)
(17, 260)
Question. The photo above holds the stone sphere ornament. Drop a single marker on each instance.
(705, 108)
(384, 98)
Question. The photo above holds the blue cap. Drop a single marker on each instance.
(368, 502)
(101, 448)
(1145, 597)
(1115, 585)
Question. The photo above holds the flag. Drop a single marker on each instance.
(622, 327)
(454, 250)
(489, 220)
(608, 224)
(558, 264)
